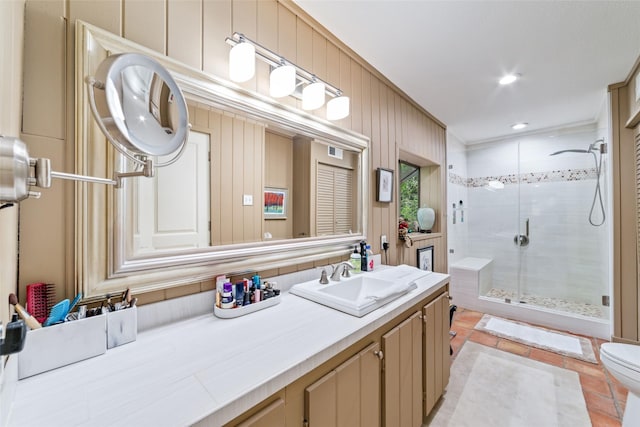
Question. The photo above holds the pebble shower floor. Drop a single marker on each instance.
(557, 304)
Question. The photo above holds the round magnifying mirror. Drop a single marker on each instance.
(139, 105)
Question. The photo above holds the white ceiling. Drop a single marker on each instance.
(449, 55)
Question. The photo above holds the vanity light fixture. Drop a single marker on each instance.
(338, 107)
(282, 80)
(519, 126)
(136, 104)
(313, 95)
(242, 62)
(314, 92)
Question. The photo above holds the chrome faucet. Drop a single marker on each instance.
(341, 269)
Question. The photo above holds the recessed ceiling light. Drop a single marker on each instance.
(508, 79)
(519, 126)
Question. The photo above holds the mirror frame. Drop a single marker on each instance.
(100, 263)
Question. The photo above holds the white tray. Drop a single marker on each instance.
(229, 313)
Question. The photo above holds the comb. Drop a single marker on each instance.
(40, 300)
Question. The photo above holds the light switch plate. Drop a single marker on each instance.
(247, 200)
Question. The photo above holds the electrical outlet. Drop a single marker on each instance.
(247, 200)
(383, 240)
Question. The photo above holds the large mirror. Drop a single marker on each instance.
(259, 186)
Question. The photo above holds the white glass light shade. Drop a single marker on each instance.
(313, 96)
(338, 108)
(282, 81)
(242, 62)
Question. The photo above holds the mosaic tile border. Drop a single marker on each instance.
(526, 178)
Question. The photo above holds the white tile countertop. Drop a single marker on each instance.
(201, 368)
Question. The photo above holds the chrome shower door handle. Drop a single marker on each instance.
(522, 239)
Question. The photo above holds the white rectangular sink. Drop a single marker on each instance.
(364, 292)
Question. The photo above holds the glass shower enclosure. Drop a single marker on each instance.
(541, 219)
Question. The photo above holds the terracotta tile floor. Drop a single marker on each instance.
(605, 397)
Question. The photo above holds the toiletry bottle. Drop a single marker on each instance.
(364, 263)
(240, 294)
(355, 260)
(370, 258)
(227, 296)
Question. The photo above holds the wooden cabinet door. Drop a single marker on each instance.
(348, 396)
(272, 415)
(402, 374)
(436, 350)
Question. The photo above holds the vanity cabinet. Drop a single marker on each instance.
(272, 415)
(402, 375)
(392, 377)
(435, 316)
(348, 396)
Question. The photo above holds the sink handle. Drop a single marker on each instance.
(323, 277)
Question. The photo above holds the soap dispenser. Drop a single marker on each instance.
(356, 260)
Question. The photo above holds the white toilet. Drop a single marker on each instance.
(623, 362)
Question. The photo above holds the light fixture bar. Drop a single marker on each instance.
(275, 60)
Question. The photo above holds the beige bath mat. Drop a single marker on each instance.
(489, 387)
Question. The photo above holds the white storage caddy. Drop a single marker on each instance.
(59, 345)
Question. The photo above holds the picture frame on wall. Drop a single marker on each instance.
(275, 203)
(384, 185)
(425, 258)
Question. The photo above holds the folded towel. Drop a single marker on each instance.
(399, 288)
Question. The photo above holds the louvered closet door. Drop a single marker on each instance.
(334, 206)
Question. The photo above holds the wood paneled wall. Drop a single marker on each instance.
(193, 31)
(237, 168)
(11, 31)
(278, 165)
(625, 123)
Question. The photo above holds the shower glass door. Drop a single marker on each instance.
(533, 216)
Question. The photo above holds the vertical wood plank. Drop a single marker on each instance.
(406, 370)
(258, 182)
(446, 339)
(153, 14)
(333, 64)
(370, 415)
(376, 214)
(216, 26)
(267, 33)
(272, 415)
(249, 212)
(237, 181)
(304, 46)
(348, 393)
(44, 87)
(287, 42)
(244, 20)
(416, 370)
(226, 174)
(345, 85)
(429, 358)
(184, 41)
(216, 178)
(438, 321)
(105, 14)
(391, 348)
(356, 97)
(320, 402)
(319, 58)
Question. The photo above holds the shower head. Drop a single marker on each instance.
(570, 151)
(595, 146)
